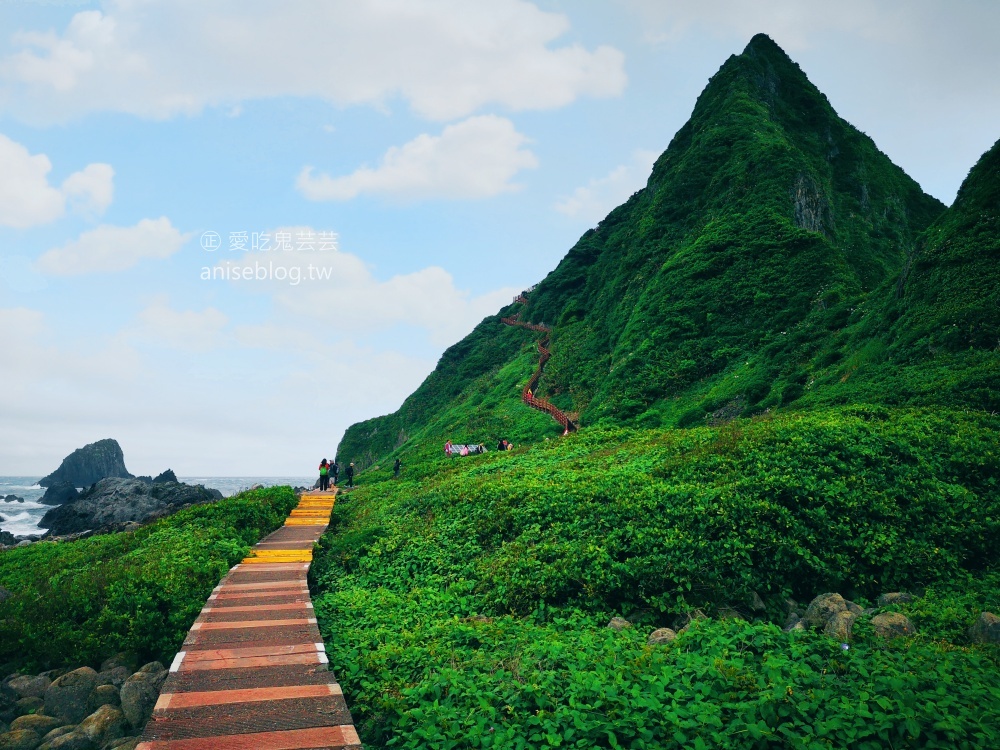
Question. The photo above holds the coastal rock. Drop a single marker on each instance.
(73, 740)
(89, 464)
(59, 493)
(166, 476)
(107, 723)
(28, 686)
(42, 725)
(103, 695)
(139, 693)
(13, 499)
(660, 637)
(111, 503)
(619, 623)
(57, 732)
(66, 698)
(115, 676)
(986, 629)
(28, 705)
(8, 704)
(8, 540)
(19, 739)
(892, 625)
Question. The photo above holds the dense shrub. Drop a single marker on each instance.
(78, 602)
(476, 598)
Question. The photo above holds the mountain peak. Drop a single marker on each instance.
(762, 44)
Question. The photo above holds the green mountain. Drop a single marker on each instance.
(775, 259)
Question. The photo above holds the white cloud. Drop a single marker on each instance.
(91, 190)
(475, 158)
(109, 248)
(340, 289)
(593, 201)
(190, 330)
(160, 58)
(26, 197)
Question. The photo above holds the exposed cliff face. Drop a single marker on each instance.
(113, 502)
(88, 464)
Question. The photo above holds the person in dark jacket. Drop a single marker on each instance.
(335, 471)
(396, 467)
(350, 475)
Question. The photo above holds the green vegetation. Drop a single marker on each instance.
(467, 609)
(827, 338)
(79, 602)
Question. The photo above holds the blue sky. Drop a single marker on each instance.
(455, 149)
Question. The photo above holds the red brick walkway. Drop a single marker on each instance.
(252, 673)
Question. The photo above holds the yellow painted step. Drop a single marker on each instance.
(305, 522)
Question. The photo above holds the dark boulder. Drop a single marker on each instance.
(140, 691)
(167, 476)
(59, 493)
(7, 539)
(66, 698)
(89, 464)
(13, 499)
(112, 503)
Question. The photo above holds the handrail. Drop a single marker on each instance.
(527, 393)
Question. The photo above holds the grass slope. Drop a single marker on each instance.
(466, 608)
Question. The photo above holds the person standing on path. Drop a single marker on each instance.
(350, 475)
(396, 467)
(324, 476)
(335, 471)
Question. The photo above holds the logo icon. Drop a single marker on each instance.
(211, 241)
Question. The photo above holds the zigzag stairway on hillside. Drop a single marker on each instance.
(528, 392)
(252, 673)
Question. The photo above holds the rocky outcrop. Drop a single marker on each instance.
(619, 623)
(59, 493)
(112, 503)
(89, 464)
(167, 476)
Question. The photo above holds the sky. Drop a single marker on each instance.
(229, 230)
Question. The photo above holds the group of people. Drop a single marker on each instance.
(328, 469)
(450, 449)
(331, 469)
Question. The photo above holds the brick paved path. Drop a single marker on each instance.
(252, 673)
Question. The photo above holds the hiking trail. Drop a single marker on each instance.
(527, 393)
(252, 673)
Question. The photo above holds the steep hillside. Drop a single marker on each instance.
(767, 218)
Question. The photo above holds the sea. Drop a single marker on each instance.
(21, 518)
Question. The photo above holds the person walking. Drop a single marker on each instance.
(396, 467)
(350, 475)
(335, 471)
(324, 476)
(447, 448)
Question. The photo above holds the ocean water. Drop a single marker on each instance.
(21, 519)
